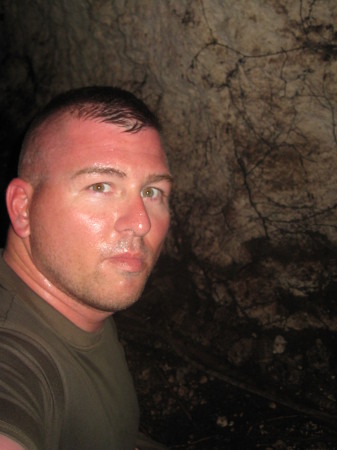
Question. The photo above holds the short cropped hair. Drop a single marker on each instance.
(102, 103)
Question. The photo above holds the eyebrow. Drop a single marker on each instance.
(99, 170)
(160, 177)
(154, 178)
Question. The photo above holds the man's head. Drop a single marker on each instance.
(98, 103)
(90, 208)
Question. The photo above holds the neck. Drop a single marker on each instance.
(17, 255)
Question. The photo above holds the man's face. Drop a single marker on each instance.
(99, 219)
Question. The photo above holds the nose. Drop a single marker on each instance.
(134, 217)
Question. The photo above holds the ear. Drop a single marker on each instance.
(18, 196)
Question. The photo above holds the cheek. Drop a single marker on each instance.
(69, 227)
(94, 225)
(159, 229)
(93, 217)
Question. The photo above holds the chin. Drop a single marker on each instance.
(116, 306)
(119, 302)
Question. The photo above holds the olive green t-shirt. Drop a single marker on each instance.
(60, 387)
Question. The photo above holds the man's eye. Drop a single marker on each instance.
(150, 192)
(100, 187)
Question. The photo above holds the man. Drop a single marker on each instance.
(89, 213)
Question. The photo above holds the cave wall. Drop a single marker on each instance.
(247, 93)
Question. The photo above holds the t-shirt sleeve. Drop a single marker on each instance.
(30, 392)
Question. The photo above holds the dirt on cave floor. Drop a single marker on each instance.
(207, 379)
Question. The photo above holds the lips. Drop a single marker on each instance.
(129, 262)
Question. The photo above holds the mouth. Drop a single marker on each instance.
(128, 262)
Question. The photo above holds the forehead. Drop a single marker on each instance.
(71, 144)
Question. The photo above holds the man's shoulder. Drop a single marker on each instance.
(14, 311)
(6, 300)
(24, 353)
(21, 342)
(8, 292)
(10, 281)
(32, 392)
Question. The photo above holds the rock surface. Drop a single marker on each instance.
(247, 95)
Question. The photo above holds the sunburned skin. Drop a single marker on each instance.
(87, 238)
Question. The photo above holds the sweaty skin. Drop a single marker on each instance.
(87, 237)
